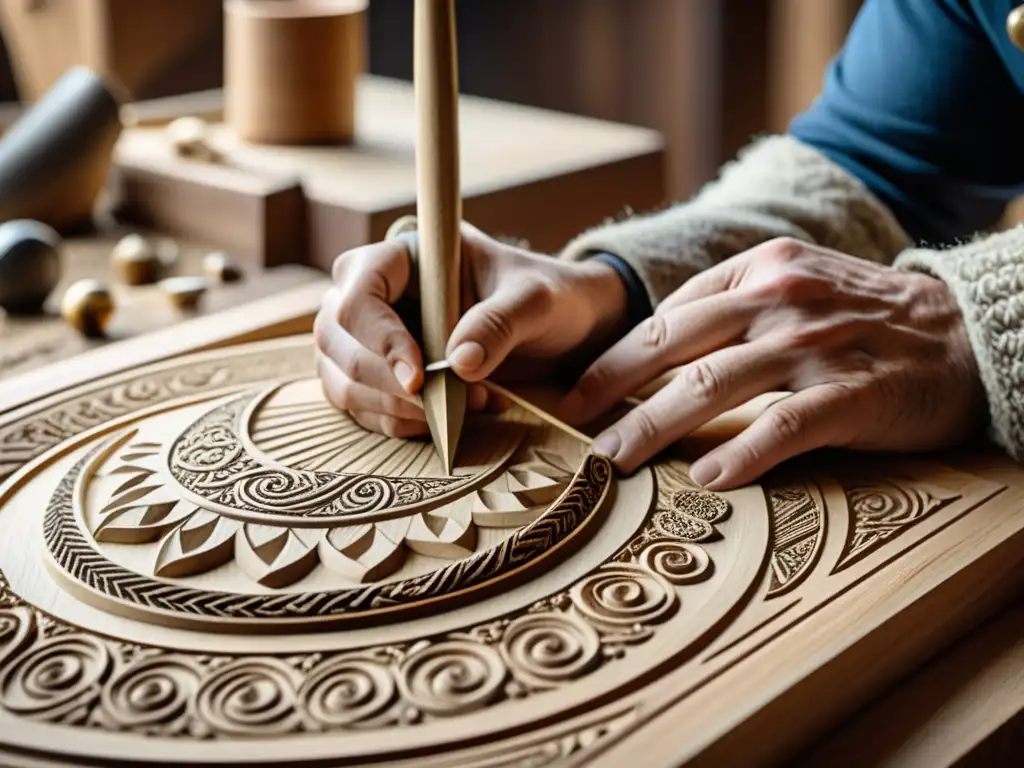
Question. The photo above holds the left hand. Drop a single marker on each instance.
(876, 358)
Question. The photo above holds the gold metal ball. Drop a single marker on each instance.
(220, 268)
(1015, 26)
(189, 138)
(87, 307)
(136, 261)
(184, 292)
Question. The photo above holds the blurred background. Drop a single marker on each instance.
(707, 74)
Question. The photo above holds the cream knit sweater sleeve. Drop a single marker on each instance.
(779, 187)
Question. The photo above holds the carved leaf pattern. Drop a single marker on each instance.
(146, 507)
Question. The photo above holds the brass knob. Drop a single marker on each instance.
(1015, 26)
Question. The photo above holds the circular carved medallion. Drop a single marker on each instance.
(529, 584)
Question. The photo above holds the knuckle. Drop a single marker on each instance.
(352, 366)
(497, 325)
(341, 395)
(655, 332)
(344, 263)
(787, 424)
(321, 330)
(538, 298)
(702, 381)
(785, 249)
(390, 342)
(392, 426)
(789, 287)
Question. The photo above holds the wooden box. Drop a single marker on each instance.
(526, 173)
(202, 561)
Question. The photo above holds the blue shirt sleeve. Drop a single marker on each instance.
(922, 107)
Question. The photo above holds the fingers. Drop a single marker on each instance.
(701, 391)
(485, 335)
(368, 281)
(397, 416)
(824, 415)
(356, 362)
(663, 341)
(358, 398)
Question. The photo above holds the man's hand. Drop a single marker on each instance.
(877, 359)
(524, 314)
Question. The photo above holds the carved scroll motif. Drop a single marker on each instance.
(882, 510)
(114, 685)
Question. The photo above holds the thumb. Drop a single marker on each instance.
(490, 330)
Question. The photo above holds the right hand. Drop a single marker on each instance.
(522, 312)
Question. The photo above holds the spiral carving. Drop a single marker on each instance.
(886, 503)
(17, 627)
(678, 563)
(347, 690)
(367, 494)
(151, 691)
(546, 649)
(452, 677)
(622, 594)
(250, 696)
(56, 677)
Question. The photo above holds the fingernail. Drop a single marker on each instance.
(468, 356)
(607, 444)
(704, 473)
(405, 374)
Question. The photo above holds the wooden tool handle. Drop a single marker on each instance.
(439, 203)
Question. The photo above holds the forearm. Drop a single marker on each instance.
(777, 187)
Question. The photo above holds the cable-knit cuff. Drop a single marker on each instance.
(986, 278)
(777, 187)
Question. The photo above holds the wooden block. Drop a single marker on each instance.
(258, 218)
(525, 173)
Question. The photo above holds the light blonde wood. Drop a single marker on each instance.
(679, 625)
(514, 161)
(438, 214)
(291, 67)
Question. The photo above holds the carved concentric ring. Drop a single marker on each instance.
(347, 690)
(622, 595)
(452, 677)
(547, 649)
(56, 676)
(250, 697)
(152, 690)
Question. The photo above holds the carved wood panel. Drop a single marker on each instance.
(202, 560)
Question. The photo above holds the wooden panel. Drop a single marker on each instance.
(588, 619)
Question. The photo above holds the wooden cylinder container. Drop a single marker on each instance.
(291, 67)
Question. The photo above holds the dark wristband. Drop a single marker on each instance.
(638, 303)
